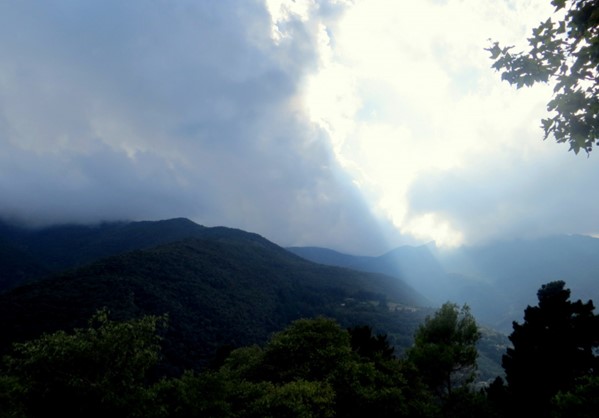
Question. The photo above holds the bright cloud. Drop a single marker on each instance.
(406, 93)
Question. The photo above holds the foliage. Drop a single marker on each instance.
(190, 395)
(466, 403)
(309, 369)
(565, 51)
(582, 401)
(552, 349)
(12, 394)
(96, 371)
(498, 397)
(315, 354)
(308, 350)
(445, 348)
(370, 346)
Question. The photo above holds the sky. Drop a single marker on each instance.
(356, 125)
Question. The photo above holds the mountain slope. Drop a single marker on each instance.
(35, 253)
(417, 266)
(228, 288)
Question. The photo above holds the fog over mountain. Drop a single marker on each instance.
(496, 280)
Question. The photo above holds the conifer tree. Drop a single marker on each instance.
(552, 349)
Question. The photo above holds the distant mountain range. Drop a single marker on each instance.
(497, 280)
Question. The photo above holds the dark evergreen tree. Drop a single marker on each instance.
(551, 350)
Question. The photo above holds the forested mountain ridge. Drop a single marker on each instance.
(220, 286)
(60, 247)
(215, 288)
(230, 287)
(31, 253)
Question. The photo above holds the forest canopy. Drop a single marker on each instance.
(314, 368)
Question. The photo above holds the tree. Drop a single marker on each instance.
(101, 370)
(552, 349)
(580, 402)
(444, 348)
(310, 369)
(309, 349)
(565, 52)
(369, 346)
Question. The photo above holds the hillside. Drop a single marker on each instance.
(56, 248)
(229, 288)
(417, 266)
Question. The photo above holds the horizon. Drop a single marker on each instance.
(443, 249)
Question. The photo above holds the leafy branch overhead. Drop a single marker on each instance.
(565, 52)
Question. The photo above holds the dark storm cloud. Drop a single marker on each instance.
(104, 185)
(147, 110)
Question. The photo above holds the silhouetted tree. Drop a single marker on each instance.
(551, 350)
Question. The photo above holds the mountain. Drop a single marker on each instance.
(28, 254)
(17, 266)
(226, 288)
(417, 266)
(498, 280)
(330, 257)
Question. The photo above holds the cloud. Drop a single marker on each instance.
(511, 197)
(104, 185)
(137, 110)
(437, 143)
(348, 124)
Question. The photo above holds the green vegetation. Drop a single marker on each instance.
(96, 371)
(444, 349)
(218, 327)
(566, 52)
(313, 368)
(307, 370)
(553, 351)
